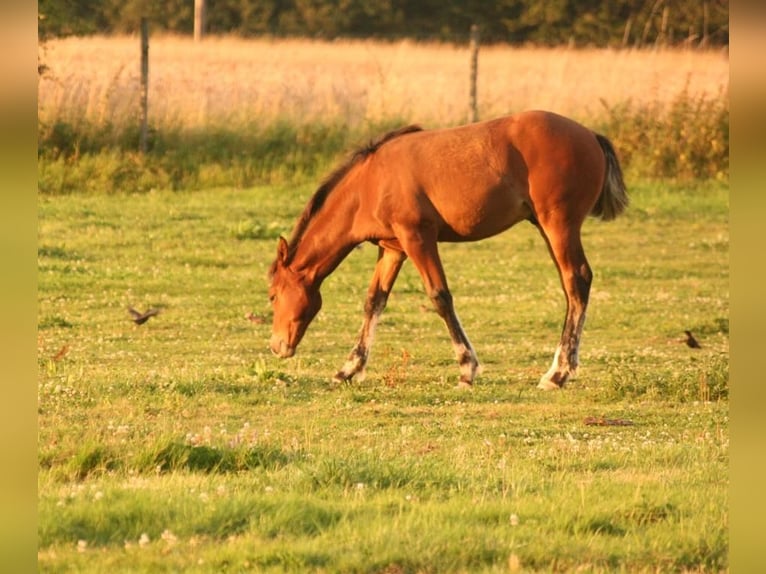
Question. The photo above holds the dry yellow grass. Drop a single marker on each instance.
(236, 80)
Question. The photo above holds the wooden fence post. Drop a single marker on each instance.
(662, 38)
(626, 32)
(473, 111)
(144, 84)
(705, 22)
(200, 15)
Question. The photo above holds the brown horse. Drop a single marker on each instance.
(414, 188)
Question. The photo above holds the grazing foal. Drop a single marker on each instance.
(414, 188)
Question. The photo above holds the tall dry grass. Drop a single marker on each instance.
(240, 112)
(228, 80)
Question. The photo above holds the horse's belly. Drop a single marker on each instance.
(475, 217)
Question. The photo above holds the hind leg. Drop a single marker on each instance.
(567, 252)
(387, 268)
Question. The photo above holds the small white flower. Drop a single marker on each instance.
(82, 545)
(169, 537)
(514, 520)
(144, 540)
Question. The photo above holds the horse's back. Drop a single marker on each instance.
(477, 180)
(507, 150)
(458, 178)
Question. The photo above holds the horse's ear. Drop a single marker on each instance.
(282, 250)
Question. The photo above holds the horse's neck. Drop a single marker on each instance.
(327, 240)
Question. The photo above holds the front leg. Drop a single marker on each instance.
(390, 260)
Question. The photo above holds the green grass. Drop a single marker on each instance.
(77, 157)
(183, 445)
(686, 140)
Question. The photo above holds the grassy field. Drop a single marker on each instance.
(183, 445)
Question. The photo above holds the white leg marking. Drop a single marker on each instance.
(468, 369)
(546, 381)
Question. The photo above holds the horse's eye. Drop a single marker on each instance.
(272, 298)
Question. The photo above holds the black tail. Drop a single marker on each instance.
(614, 197)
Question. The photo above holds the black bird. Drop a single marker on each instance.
(141, 318)
(691, 341)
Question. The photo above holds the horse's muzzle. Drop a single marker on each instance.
(280, 348)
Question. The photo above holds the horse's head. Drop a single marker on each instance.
(295, 303)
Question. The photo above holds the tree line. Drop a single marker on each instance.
(599, 23)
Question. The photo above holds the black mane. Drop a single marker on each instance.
(320, 195)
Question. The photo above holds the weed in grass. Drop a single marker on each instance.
(245, 230)
(687, 139)
(54, 321)
(219, 459)
(397, 372)
(92, 460)
(262, 373)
